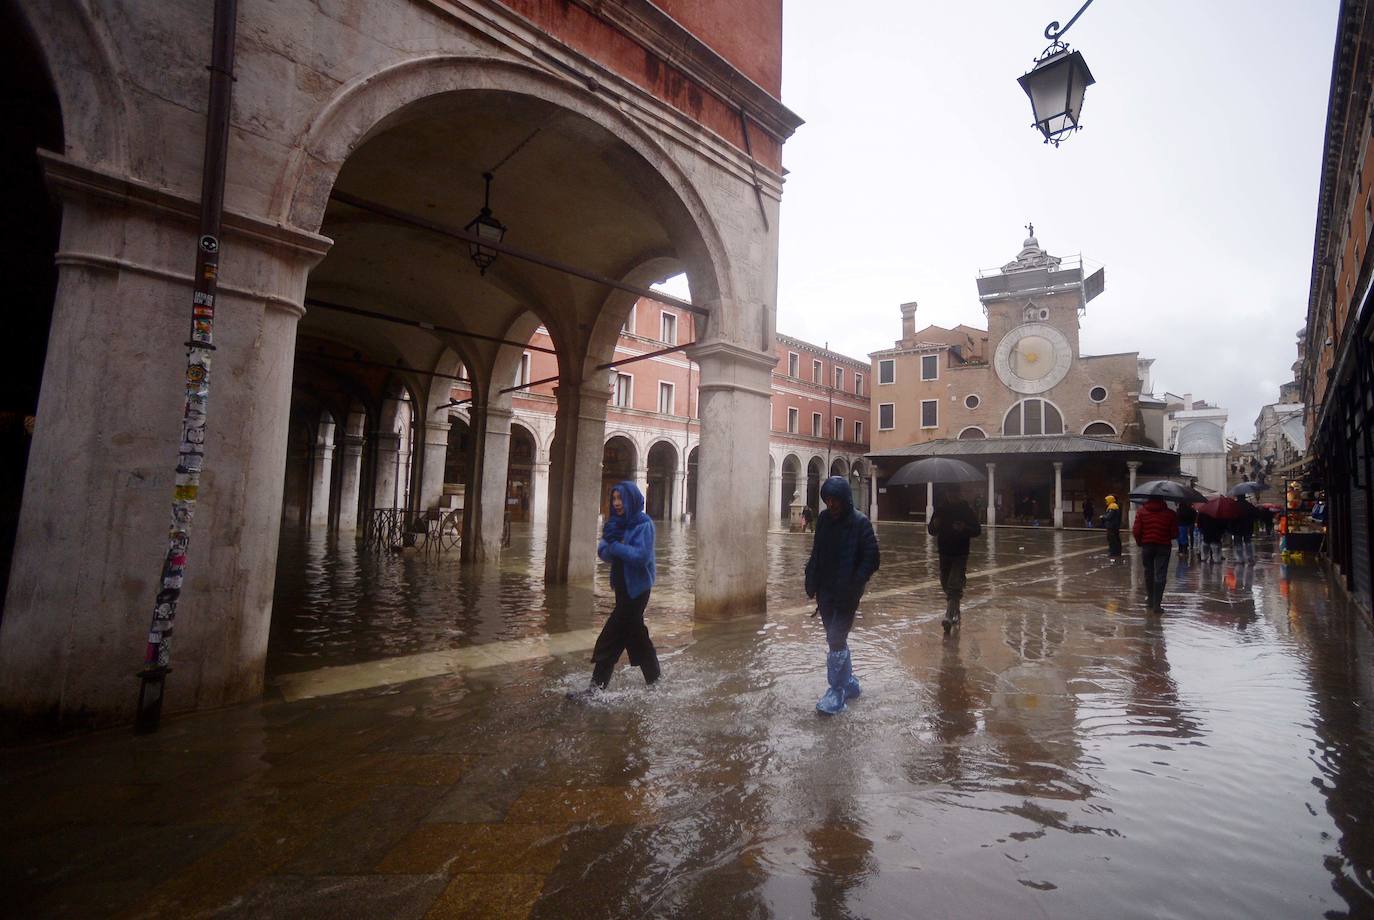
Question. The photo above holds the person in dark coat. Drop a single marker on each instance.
(1111, 522)
(1088, 512)
(1243, 532)
(1212, 530)
(953, 525)
(844, 556)
(1187, 517)
(1155, 529)
(627, 543)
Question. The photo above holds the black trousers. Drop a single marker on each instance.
(1113, 542)
(625, 631)
(953, 571)
(1155, 558)
(837, 615)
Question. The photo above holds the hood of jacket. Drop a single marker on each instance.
(1155, 504)
(633, 500)
(838, 487)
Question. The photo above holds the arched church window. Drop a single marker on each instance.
(1033, 417)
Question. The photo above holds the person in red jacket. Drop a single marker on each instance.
(1155, 530)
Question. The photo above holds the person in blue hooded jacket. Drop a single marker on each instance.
(844, 556)
(627, 543)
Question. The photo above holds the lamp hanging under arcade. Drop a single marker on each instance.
(486, 227)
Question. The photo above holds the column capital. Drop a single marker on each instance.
(1058, 465)
(1132, 464)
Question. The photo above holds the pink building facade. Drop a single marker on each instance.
(819, 422)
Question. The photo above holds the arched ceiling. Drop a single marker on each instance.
(568, 189)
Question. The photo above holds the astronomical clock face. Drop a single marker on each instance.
(1032, 358)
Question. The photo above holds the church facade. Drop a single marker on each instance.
(1055, 429)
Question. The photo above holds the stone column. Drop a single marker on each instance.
(873, 497)
(92, 533)
(350, 477)
(680, 489)
(386, 489)
(322, 476)
(774, 498)
(539, 501)
(732, 511)
(992, 494)
(930, 500)
(641, 477)
(493, 442)
(432, 457)
(1133, 466)
(575, 482)
(1059, 495)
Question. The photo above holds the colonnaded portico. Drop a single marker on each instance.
(347, 307)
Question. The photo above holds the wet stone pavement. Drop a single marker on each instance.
(1061, 755)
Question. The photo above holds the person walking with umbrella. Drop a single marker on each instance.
(844, 556)
(953, 525)
(1111, 522)
(1155, 529)
(1212, 530)
(1243, 531)
(1187, 517)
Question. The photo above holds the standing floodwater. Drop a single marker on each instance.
(1060, 754)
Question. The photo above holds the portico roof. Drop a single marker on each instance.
(1032, 444)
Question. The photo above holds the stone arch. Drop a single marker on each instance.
(791, 472)
(1023, 419)
(523, 454)
(839, 467)
(374, 102)
(90, 85)
(661, 460)
(1099, 429)
(815, 475)
(972, 433)
(619, 460)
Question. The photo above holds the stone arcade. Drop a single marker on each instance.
(621, 143)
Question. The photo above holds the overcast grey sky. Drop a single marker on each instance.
(1193, 181)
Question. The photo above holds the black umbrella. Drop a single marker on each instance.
(1168, 490)
(936, 469)
(1246, 488)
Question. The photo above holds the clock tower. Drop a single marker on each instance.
(1033, 304)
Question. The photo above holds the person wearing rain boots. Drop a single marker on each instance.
(953, 525)
(1111, 522)
(1155, 530)
(627, 543)
(844, 556)
(1242, 528)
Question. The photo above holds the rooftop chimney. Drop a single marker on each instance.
(909, 322)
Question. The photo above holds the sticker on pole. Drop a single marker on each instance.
(209, 244)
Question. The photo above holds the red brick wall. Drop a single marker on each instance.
(751, 29)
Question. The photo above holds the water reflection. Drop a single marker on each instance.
(1063, 754)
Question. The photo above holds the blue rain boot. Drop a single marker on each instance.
(851, 683)
(837, 672)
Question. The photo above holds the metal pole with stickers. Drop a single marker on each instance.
(199, 348)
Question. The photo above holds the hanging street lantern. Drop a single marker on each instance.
(1056, 85)
(488, 228)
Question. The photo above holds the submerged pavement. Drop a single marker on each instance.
(1062, 754)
